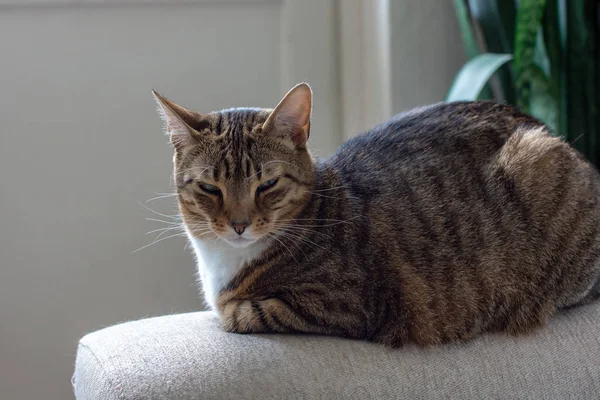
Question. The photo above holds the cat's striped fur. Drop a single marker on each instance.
(443, 223)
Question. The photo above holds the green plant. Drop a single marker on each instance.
(541, 55)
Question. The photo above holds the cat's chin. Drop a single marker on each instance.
(240, 242)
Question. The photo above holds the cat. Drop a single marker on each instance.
(443, 223)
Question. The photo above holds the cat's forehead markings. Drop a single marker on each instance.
(273, 167)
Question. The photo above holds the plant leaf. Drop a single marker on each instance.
(466, 28)
(529, 16)
(487, 15)
(540, 57)
(474, 75)
(508, 14)
(542, 103)
(469, 37)
(582, 75)
(553, 24)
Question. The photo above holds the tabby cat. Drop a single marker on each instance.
(443, 223)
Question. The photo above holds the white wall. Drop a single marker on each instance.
(426, 51)
(80, 146)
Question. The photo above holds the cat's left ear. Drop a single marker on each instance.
(291, 118)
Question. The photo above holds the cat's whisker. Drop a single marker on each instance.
(287, 248)
(297, 243)
(328, 189)
(323, 219)
(338, 222)
(322, 195)
(192, 227)
(166, 231)
(162, 196)
(198, 223)
(163, 229)
(202, 232)
(313, 226)
(198, 230)
(198, 226)
(576, 139)
(159, 240)
(258, 172)
(163, 193)
(345, 195)
(176, 216)
(279, 161)
(308, 241)
(304, 239)
(320, 219)
(300, 230)
(164, 222)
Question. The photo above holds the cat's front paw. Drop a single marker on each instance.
(242, 316)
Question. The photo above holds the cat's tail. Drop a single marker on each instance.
(594, 293)
(592, 296)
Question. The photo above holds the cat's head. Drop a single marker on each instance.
(241, 174)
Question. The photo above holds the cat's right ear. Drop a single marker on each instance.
(178, 121)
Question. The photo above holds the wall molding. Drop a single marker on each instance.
(365, 61)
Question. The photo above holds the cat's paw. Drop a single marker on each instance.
(240, 316)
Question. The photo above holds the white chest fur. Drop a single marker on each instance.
(219, 262)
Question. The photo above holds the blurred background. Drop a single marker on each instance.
(82, 150)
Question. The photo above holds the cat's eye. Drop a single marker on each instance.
(267, 185)
(210, 189)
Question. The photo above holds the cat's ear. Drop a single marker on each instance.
(179, 121)
(291, 118)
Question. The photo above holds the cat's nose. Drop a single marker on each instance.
(239, 226)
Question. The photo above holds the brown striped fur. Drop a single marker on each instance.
(440, 224)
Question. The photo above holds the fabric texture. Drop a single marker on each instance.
(188, 356)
